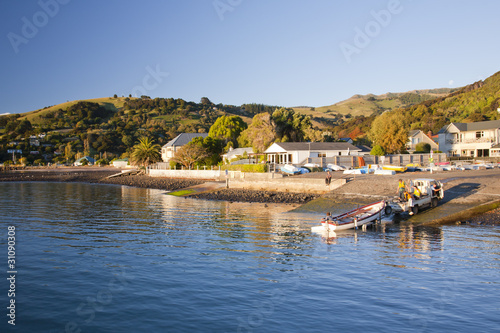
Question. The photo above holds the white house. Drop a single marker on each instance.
(237, 152)
(479, 139)
(169, 149)
(298, 152)
(121, 163)
(417, 136)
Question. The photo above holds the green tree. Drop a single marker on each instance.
(390, 131)
(228, 129)
(24, 127)
(423, 147)
(68, 151)
(127, 140)
(291, 126)
(190, 154)
(205, 101)
(214, 148)
(377, 151)
(260, 134)
(145, 152)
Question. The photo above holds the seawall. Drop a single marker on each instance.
(255, 181)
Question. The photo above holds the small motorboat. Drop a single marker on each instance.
(352, 219)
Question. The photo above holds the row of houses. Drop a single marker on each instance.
(479, 139)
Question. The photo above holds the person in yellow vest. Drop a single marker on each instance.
(416, 193)
(401, 189)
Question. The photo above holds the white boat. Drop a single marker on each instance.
(384, 172)
(335, 167)
(290, 169)
(352, 219)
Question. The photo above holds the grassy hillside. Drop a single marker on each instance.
(367, 105)
(113, 104)
(476, 102)
(105, 126)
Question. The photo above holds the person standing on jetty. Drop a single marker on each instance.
(328, 178)
(401, 189)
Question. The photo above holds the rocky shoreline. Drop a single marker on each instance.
(98, 176)
(256, 196)
(488, 181)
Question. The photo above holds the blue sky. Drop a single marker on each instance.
(277, 52)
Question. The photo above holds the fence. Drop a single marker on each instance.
(353, 161)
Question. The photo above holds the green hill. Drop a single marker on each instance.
(476, 102)
(367, 105)
(109, 126)
(112, 125)
(110, 103)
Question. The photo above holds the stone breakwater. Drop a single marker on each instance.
(241, 195)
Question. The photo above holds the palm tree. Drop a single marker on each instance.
(146, 152)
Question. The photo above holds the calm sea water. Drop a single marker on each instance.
(101, 258)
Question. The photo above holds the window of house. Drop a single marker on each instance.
(479, 134)
(321, 154)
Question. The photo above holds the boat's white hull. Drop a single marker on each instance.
(353, 219)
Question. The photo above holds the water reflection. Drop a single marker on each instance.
(225, 266)
(420, 238)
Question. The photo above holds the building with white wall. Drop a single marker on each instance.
(298, 152)
(479, 139)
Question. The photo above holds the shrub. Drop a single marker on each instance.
(422, 147)
(377, 150)
(246, 167)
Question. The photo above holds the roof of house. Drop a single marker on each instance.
(364, 149)
(321, 146)
(413, 132)
(88, 158)
(184, 138)
(477, 126)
